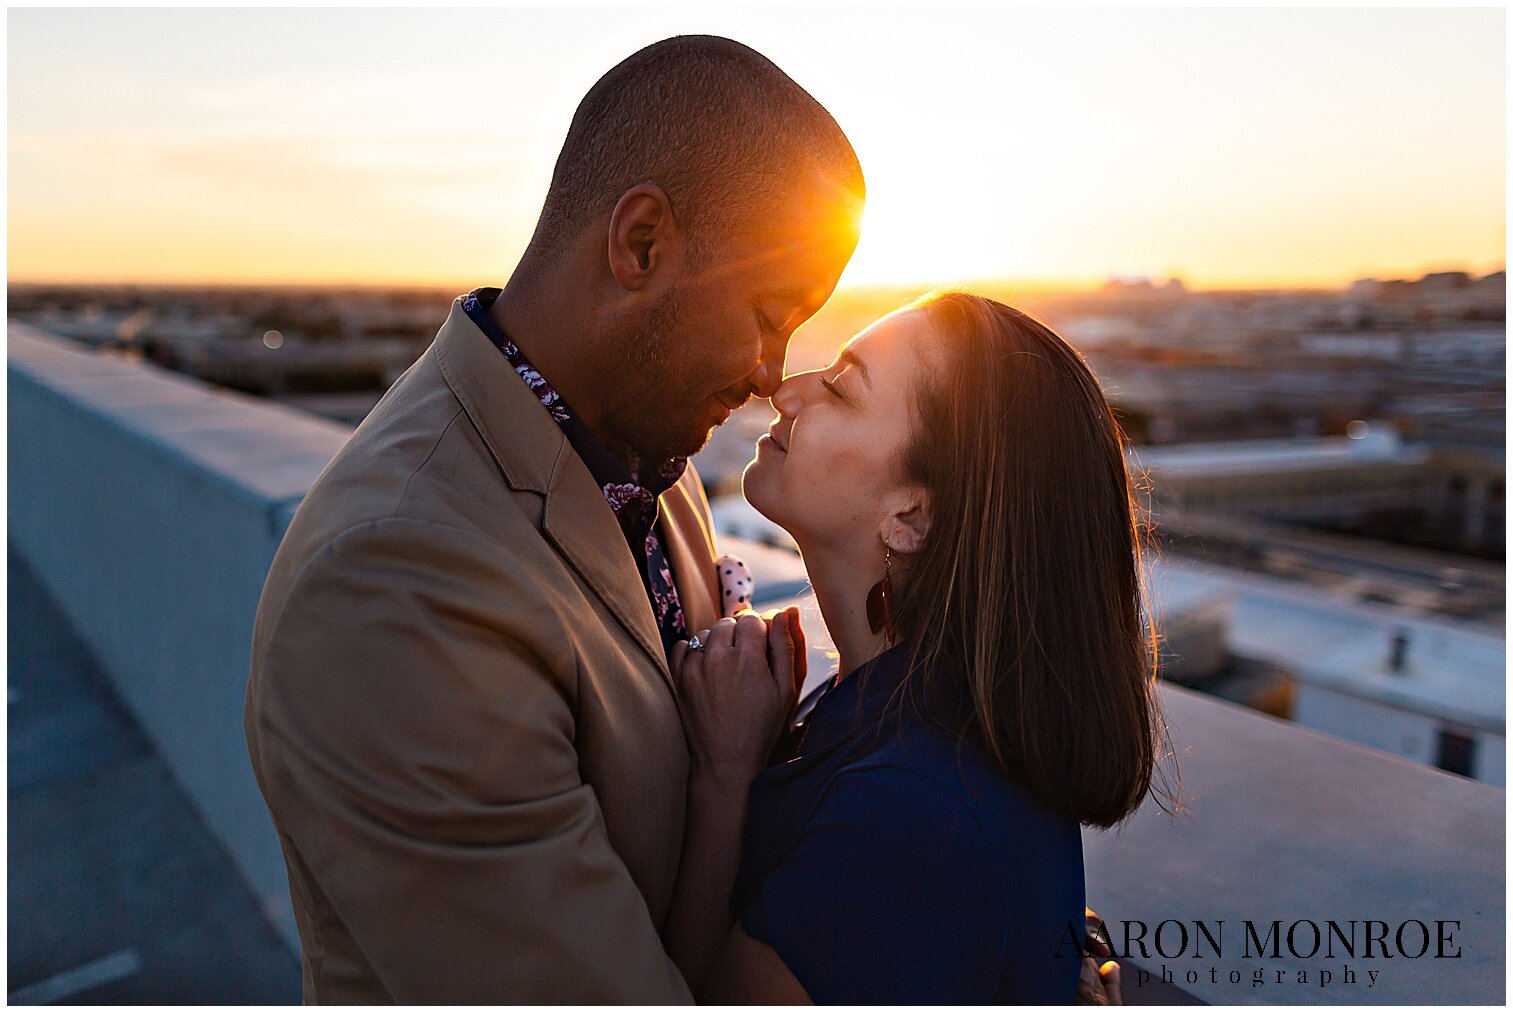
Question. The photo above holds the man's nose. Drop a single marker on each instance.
(766, 378)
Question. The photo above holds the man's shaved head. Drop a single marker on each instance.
(703, 207)
(715, 124)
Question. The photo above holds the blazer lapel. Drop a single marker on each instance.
(581, 524)
(691, 551)
(535, 455)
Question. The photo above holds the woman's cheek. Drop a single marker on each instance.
(831, 471)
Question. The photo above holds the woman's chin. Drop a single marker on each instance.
(756, 487)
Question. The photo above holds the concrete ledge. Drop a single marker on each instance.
(1292, 825)
(150, 506)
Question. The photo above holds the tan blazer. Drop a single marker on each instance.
(460, 712)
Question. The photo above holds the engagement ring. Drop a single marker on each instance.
(695, 644)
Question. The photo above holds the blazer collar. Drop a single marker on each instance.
(534, 455)
(518, 431)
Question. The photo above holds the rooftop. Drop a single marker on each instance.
(1240, 457)
(153, 549)
(1455, 669)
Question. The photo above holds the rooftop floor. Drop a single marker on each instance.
(117, 891)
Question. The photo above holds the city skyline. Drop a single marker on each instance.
(1232, 149)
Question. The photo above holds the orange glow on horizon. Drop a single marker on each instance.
(146, 148)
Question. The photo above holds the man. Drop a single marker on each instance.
(460, 710)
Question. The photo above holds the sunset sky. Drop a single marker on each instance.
(1231, 148)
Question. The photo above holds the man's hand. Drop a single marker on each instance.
(1099, 982)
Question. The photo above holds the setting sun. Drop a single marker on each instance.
(304, 146)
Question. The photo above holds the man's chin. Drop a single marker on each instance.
(684, 445)
(695, 444)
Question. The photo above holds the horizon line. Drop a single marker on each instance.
(1067, 285)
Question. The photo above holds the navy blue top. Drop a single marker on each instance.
(889, 863)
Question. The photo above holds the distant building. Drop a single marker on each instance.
(1428, 690)
(1449, 294)
(1332, 481)
(1432, 696)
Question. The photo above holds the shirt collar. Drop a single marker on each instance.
(846, 708)
(632, 492)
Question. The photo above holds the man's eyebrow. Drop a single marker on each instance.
(850, 358)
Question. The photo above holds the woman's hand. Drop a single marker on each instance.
(735, 695)
(737, 692)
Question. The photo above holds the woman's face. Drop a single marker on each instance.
(829, 470)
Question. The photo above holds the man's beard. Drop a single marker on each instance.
(646, 349)
(648, 417)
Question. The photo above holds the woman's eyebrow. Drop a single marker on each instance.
(850, 358)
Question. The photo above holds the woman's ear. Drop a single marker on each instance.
(644, 237)
(907, 522)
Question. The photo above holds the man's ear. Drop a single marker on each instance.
(907, 522)
(644, 237)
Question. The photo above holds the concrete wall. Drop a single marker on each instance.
(150, 507)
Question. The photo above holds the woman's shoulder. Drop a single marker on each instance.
(951, 779)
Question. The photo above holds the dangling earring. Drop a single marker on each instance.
(879, 600)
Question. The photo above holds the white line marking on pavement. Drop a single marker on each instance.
(81, 979)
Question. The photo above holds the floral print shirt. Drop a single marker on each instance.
(632, 494)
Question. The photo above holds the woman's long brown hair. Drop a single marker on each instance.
(1029, 579)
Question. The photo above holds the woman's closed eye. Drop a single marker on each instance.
(833, 389)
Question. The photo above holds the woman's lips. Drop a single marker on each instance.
(777, 442)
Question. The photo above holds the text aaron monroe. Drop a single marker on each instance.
(1304, 939)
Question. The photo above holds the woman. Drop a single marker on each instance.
(957, 486)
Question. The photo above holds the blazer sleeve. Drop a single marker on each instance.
(416, 742)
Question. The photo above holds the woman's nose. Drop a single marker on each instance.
(789, 394)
